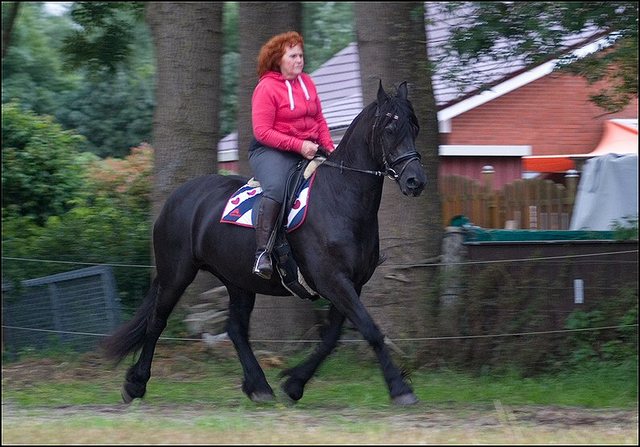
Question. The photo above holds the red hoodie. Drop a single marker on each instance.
(285, 113)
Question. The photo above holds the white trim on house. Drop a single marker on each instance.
(516, 82)
(228, 148)
(629, 122)
(444, 126)
(483, 150)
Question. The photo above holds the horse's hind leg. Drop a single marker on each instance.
(299, 375)
(255, 384)
(167, 295)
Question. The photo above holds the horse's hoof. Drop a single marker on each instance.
(293, 389)
(261, 397)
(405, 399)
(126, 397)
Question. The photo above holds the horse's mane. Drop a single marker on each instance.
(362, 126)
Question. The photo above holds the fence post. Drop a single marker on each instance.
(453, 254)
(572, 185)
(491, 206)
(112, 302)
(54, 299)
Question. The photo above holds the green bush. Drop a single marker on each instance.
(63, 209)
(515, 318)
(614, 345)
(42, 168)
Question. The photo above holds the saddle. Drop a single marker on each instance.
(240, 211)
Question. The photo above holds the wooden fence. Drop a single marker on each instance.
(530, 204)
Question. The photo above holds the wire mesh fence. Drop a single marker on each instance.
(530, 304)
(68, 309)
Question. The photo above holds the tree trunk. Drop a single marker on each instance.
(257, 23)
(276, 318)
(7, 26)
(188, 45)
(392, 48)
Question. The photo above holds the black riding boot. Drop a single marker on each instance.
(267, 216)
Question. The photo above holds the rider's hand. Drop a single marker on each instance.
(309, 149)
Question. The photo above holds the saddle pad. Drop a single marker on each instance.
(239, 208)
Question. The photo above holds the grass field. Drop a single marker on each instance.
(195, 397)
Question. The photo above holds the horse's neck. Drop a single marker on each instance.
(355, 189)
(360, 189)
(354, 150)
(349, 193)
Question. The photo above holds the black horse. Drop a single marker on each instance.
(336, 250)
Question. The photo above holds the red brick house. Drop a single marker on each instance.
(550, 116)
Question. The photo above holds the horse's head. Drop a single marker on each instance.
(393, 140)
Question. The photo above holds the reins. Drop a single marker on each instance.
(344, 167)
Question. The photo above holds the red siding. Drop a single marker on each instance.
(553, 115)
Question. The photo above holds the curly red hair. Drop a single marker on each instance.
(271, 52)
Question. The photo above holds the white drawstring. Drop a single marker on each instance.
(304, 89)
(291, 104)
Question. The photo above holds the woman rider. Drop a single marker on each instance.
(288, 125)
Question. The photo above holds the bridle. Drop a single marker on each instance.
(390, 166)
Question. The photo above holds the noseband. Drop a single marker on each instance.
(390, 168)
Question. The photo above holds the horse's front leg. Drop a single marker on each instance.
(346, 299)
(299, 375)
(255, 384)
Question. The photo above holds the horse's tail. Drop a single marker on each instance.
(130, 336)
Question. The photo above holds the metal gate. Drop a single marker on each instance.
(71, 310)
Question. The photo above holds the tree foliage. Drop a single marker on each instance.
(32, 70)
(230, 66)
(42, 170)
(537, 31)
(112, 108)
(114, 112)
(124, 182)
(105, 34)
(328, 28)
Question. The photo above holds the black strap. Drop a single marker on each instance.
(286, 265)
(288, 270)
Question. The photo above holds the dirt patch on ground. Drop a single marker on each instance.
(422, 417)
(426, 417)
(203, 424)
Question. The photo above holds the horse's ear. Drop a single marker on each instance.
(382, 95)
(402, 90)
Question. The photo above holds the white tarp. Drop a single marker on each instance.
(607, 193)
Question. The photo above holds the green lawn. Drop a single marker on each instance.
(344, 380)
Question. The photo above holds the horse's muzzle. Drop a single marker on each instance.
(413, 180)
(414, 187)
